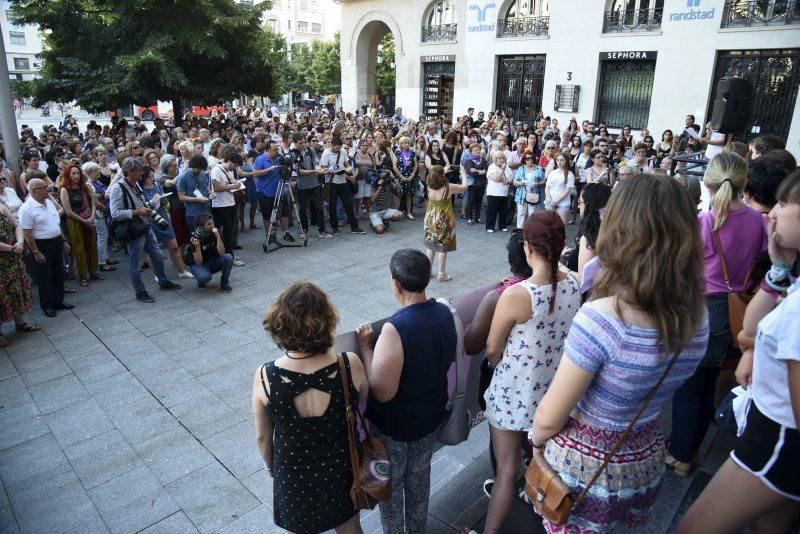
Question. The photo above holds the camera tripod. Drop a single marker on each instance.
(273, 244)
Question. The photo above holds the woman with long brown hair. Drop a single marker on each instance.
(641, 315)
(524, 346)
(77, 200)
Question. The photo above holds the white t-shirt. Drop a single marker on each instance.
(558, 184)
(41, 219)
(10, 199)
(223, 199)
(777, 342)
(497, 189)
(328, 159)
(713, 150)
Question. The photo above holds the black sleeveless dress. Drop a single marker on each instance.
(311, 463)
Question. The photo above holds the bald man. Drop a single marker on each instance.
(41, 226)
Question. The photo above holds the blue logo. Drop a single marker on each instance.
(692, 14)
(693, 3)
(482, 25)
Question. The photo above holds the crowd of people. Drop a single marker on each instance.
(575, 339)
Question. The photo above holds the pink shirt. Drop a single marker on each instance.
(743, 237)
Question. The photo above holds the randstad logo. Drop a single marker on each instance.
(483, 15)
(692, 14)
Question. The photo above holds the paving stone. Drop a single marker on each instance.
(57, 503)
(31, 462)
(258, 521)
(107, 325)
(229, 382)
(102, 458)
(76, 345)
(171, 385)
(203, 359)
(225, 338)
(212, 498)
(116, 390)
(30, 346)
(142, 419)
(206, 415)
(96, 366)
(129, 342)
(78, 422)
(175, 341)
(236, 449)
(43, 368)
(21, 424)
(58, 393)
(173, 454)
(260, 484)
(7, 369)
(7, 522)
(133, 501)
(13, 393)
(153, 323)
(198, 320)
(177, 523)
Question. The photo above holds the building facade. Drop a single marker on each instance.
(302, 21)
(646, 63)
(22, 43)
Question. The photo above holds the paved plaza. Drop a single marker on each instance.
(125, 417)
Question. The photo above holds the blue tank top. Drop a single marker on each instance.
(428, 335)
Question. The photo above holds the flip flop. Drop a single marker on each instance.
(27, 327)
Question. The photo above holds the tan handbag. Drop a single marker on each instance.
(372, 472)
(550, 496)
(737, 302)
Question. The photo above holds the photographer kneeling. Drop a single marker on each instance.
(130, 213)
(206, 254)
(385, 187)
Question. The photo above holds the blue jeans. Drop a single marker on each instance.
(204, 272)
(145, 243)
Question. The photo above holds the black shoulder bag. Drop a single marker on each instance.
(126, 230)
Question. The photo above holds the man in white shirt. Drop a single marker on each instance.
(40, 222)
(223, 206)
(336, 164)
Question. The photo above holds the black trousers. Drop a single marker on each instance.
(311, 199)
(225, 220)
(475, 201)
(335, 192)
(49, 276)
(496, 207)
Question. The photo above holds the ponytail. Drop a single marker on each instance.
(726, 176)
(721, 203)
(545, 233)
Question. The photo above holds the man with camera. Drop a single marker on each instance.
(309, 192)
(206, 254)
(336, 163)
(127, 203)
(385, 186)
(267, 173)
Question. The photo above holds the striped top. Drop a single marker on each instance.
(628, 361)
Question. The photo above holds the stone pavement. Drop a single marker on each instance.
(126, 417)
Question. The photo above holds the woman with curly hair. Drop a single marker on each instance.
(77, 200)
(299, 409)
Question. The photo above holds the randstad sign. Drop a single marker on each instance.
(482, 12)
(692, 14)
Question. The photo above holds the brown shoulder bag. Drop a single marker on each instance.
(737, 302)
(371, 472)
(550, 496)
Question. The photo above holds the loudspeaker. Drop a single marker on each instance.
(733, 105)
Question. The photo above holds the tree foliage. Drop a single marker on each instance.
(109, 53)
(385, 75)
(316, 67)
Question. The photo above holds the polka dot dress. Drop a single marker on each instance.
(311, 461)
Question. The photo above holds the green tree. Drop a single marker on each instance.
(385, 70)
(300, 70)
(110, 53)
(326, 66)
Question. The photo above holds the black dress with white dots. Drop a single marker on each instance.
(311, 462)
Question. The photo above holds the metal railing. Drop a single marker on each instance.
(745, 13)
(632, 20)
(524, 27)
(442, 33)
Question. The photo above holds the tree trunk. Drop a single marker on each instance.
(177, 111)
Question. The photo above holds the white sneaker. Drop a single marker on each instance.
(185, 274)
(238, 263)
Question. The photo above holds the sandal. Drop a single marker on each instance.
(255, 227)
(3, 341)
(95, 276)
(68, 290)
(27, 327)
(444, 277)
(682, 469)
(106, 268)
(84, 283)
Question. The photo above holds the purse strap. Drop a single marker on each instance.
(627, 431)
(718, 244)
(355, 462)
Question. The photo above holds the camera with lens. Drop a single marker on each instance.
(377, 178)
(155, 216)
(288, 162)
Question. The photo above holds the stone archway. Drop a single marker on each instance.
(359, 62)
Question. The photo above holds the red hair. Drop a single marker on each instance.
(64, 181)
(545, 233)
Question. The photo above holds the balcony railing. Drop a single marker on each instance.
(524, 27)
(632, 20)
(439, 33)
(746, 13)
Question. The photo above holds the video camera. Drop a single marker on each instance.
(377, 178)
(288, 162)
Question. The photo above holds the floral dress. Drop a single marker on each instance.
(440, 224)
(405, 163)
(532, 354)
(15, 288)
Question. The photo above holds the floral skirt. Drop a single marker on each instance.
(628, 487)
